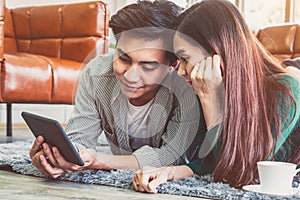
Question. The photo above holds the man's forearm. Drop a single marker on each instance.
(109, 162)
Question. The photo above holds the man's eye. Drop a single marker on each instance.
(147, 68)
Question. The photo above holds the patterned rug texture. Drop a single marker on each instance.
(15, 156)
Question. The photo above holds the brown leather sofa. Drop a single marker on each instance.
(283, 40)
(43, 49)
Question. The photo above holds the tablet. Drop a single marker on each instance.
(53, 134)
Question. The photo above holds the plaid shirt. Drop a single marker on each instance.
(100, 107)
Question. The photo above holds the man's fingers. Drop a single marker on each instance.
(36, 147)
(62, 163)
(37, 163)
(49, 154)
(35, 159)
(48, 160)
(43, 171)
(54, 172)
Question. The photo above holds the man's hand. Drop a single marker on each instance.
(50, 162)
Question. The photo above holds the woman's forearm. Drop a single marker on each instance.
(213, 106)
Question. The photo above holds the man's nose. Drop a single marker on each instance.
(132, 74)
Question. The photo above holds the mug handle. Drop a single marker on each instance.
(296, 172)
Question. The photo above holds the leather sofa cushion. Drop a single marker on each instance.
(89, 48)
(27, 78)
(65, 78)
(297, 43)
(46, 47)
(10, 45)
(33, 78)
(283, 41)
(58, 30)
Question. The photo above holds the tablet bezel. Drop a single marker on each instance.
(53, 134)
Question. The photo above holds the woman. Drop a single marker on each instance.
(251, 103)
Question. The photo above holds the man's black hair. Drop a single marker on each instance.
(149, 20)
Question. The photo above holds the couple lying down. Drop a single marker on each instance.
(184, 92)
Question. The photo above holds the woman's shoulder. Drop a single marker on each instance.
(291, 82)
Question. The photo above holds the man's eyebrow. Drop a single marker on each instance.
(122, 53)
(153, 63)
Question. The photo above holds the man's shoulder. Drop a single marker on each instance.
(100, 66)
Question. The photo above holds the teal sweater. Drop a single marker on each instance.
(284, 148)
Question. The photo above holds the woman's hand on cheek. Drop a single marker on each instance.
(208, 85)
(206, 76)
(197, 79)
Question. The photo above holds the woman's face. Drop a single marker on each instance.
(189, 55)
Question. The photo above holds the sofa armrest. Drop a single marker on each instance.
(279, 40)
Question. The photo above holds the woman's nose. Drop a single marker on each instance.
(182, 71)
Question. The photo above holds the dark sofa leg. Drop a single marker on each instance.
(8, 120)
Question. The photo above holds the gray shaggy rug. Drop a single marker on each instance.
(14, 156)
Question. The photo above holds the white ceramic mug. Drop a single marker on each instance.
(276, 177)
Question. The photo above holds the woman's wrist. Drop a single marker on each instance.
(171, 173)
(178, 172)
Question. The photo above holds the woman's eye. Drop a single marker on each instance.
(185, 60)
(124, 60)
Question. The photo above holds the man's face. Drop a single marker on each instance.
(139, 65)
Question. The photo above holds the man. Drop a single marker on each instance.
(149, 115)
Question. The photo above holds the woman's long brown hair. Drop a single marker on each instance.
(252, 118)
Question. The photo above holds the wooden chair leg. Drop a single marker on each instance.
(8, 120)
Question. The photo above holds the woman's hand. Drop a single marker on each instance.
(208, 85)
(149, 178)
(50, 162)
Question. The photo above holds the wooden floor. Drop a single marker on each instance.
(16, 186)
